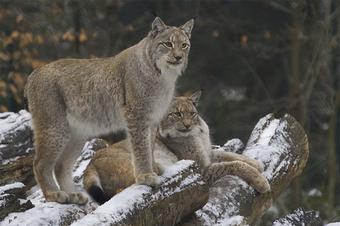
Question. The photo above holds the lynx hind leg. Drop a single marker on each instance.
(241, 169)
(48, 143)
(64, 169)
(223, 156)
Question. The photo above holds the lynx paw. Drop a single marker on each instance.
(262, 185)
(57, 196)
(150, 179)
(78, 198)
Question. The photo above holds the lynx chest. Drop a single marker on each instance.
(161, 100)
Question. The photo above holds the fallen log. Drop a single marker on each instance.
(282, 146)
(12, 199)
(16, 148)
(299, 217)
(16, 137)
(280, 143)
(181, 193)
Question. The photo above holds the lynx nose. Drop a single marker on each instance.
(187, 126)
(178, 58)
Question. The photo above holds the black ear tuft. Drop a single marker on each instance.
(195, 97)
(157, 26)
(187, 27)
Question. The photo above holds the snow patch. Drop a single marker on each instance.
(333, 224)
(120, 206)
(14, 185)
(232, 221)
(314, 193)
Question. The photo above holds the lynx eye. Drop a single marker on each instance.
(167, 44)
(193, 113)
(185, 45)
(178, 114)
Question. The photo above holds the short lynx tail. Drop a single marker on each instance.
(98, 194)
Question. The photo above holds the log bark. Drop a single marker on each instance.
(16, 148)
(300, 217)
(16, 136)
(282, 146)
(181, 193)
(10, 196)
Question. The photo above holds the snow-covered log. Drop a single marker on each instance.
(12, 199)
(282, 146)
(16, 152)
(181, 193)
(46, 213)
(280, 143)
(15, 134)
(300, 217)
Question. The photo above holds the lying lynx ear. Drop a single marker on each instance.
(157, 26)
(195, 97)
(187, 27)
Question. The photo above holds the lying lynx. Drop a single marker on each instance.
(182, 134)
(72, 100)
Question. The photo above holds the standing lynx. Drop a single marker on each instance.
(74, 99)
(182, 134)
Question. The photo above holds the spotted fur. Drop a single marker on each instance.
(74, 99)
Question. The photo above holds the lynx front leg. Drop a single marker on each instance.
(140, 138)
(223, 156)
(248, 173)
(64, 169)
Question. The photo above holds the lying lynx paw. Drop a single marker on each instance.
(261, 184)
(78, 198)
(150, 179)
(57, 196)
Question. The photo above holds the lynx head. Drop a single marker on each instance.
(182, 119)
(169, 46)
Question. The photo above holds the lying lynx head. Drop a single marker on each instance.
(182, 119)
(169, 46)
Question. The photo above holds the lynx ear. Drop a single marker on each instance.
(157, 25)
(195, 97)
(187, 27)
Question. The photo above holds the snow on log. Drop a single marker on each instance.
(282, 146)
(12, 199)
(15, 134)
(46, 213)
(300, 217)
(181, 193)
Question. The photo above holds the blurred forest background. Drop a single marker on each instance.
(249, 57)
